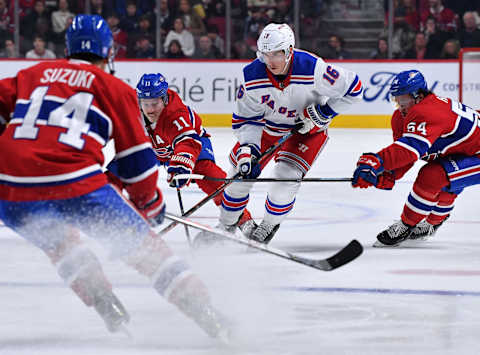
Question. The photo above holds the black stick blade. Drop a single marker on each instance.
(352, 251)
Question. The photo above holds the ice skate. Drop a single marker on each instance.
(424, 230)
(393, 235)
(214, 323)
(112, 312)
(245, 223)
(264, 232)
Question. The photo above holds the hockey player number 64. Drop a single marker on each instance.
(71, 114)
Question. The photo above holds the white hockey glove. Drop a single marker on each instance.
(315, 116)
(247, 156)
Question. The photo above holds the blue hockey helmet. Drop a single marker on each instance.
(408, 82)
(151, 86)
(89, 34)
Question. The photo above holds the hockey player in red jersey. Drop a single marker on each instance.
(58, 116)
(179, 140)
(439, 130)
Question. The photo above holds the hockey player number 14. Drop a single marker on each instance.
(71, 114)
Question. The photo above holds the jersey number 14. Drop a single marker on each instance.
(71, 114)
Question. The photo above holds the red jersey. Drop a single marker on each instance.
(59, 115)
(434, 127)
(178, 130)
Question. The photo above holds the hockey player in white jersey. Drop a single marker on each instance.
(282, 89)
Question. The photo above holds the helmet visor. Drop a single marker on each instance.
(401, 101)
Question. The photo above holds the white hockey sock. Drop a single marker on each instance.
(281, 195)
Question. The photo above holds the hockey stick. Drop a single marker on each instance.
(348, 253)
(260, 159)
(180, 203)
(205, 177)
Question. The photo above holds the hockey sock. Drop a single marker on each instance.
(425, 193)
(440, 212)
(209, 168)
(232, 207)
(81, 270)
(281, 195)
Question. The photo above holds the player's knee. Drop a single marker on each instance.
(431, 177)
(285, 170)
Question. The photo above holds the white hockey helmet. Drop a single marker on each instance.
(275, 37)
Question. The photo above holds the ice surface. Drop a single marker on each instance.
(418, 299)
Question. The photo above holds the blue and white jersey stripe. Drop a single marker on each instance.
(50, 180)
(136, 163)
(417, 144)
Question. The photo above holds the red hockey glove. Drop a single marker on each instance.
(385, 181)
(180, 163)
(154, 210)
(369, 167)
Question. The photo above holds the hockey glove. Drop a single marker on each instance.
(154, 210)
(386, 181)
(180, 163)
(369, 167)
(247, 157)
(316, 116)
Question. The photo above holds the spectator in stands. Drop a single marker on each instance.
(419, 49)
(450, 49)
(61, 20)
(40, 50)
(144, 30)
(129, 23)
(165, 17)
(29, 24)
(24, 6)
(217, 40)
(470, 35)
(435, 38)
(254, 24)
(382, 50)
(183, 36)
(97, 7)
(174, 50)
(192, 21)
(335, 48)
(242, 51)
(9, 50)
(6, 21)
(406, 15)
(206, 49)
(120, 38)
(144, 48)
(283, 12)
(447, 20)
(145, 6)
(267, 6)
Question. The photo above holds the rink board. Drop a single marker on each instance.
(209, 87)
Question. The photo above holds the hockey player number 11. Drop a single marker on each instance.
(71, 114)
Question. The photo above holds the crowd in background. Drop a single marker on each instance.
(423, 29)
(431, 29)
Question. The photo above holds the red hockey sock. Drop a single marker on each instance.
(425, 193)
(442, 210)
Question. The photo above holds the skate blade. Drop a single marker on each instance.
(379, 244)
(124, 330)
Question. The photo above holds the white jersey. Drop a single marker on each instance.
(263, 103)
